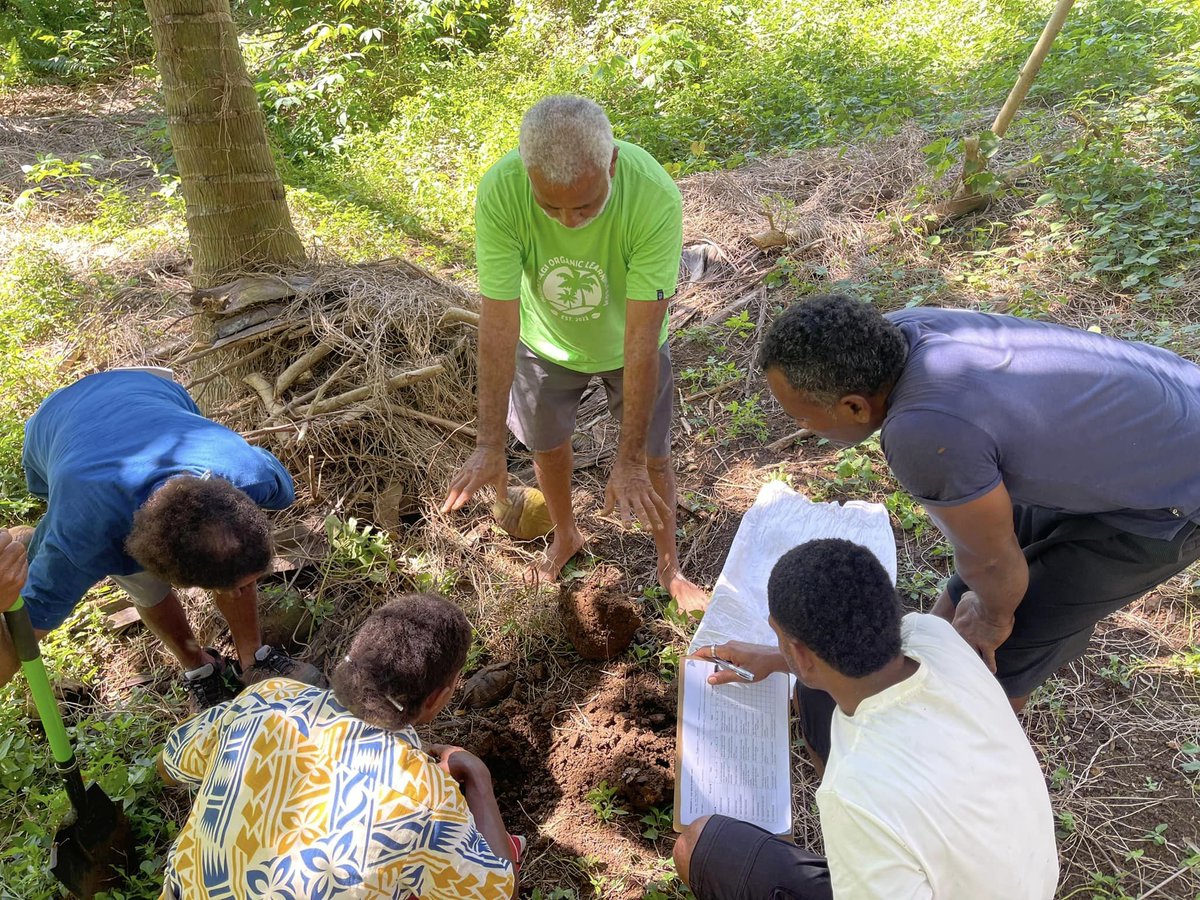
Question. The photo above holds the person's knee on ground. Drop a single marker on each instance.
(685, 845)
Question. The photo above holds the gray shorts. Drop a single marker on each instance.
(545, 398)
(143, 588)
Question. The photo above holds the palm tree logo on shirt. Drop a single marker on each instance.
(576, 289)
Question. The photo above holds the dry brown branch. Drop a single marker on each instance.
(225, 368)
(262, 387)
(457, 428)
(404, 379)
(709, 392)
(788, 440)
(454, 314)
(304, 364)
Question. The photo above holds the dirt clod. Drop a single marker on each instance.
(600, 620)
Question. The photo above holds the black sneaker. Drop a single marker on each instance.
(210, 684)
(272, 663)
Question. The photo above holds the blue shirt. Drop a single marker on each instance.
(1067, 419)
(95, 451)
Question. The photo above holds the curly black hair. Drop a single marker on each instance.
(832, 345)
(835, 598)
(403, 653)
(201, 532)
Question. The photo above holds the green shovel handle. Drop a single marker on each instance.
(20, 629)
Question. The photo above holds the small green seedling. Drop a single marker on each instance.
(603, 800)
(658, 821)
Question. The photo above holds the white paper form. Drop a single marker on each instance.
(780, 519)
(735, 758)
(739, 726)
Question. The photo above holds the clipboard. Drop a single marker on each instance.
(732, 749)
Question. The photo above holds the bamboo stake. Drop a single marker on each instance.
(968, 199)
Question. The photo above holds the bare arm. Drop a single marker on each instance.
(989, 559)
(629, 485)
(499, 330)
(476, 783)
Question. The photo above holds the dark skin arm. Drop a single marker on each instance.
(989, 559)
(476, 782)
(499, 330)
(629, 488)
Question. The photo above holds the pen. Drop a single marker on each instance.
(744, 674)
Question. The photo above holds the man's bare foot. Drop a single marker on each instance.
(688, 597)
(564, 546)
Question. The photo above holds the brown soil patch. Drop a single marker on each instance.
(600, 620)
(558, 738)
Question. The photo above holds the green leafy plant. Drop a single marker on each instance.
(1117, 672)
(658, 821)
(855, 470)
(1066, 825)
(740, 324)
(603, 800)
(906, 512)
(746, 419)
(1191, 758)
(359, 549)
(1157, 835)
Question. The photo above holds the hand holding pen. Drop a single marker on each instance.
(738, 661)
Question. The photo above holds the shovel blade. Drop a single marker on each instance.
(96, 851)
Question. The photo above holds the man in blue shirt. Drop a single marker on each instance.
(140, 487)
(1060, 464)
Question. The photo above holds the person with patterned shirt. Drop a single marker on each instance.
(304, 793)
(578, 243)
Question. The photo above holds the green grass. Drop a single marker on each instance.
(117, 748)
(37, 294)
(707, 85)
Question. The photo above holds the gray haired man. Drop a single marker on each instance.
(578, 240)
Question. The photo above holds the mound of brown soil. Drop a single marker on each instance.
(599, 618)
(630, 744)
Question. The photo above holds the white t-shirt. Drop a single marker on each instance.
(932, 789)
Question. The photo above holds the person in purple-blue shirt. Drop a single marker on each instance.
(1062, 465)
(142, 488)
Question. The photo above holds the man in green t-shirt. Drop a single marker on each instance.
(578, 239)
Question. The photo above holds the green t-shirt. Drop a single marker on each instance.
(573, 283)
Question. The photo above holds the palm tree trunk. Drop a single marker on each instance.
(237, 213)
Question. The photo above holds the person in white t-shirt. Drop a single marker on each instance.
(931, 789)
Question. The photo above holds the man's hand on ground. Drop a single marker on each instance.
(758, 658)
(630, 490)
(979, 629)
(13, 570)
(487, 465)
